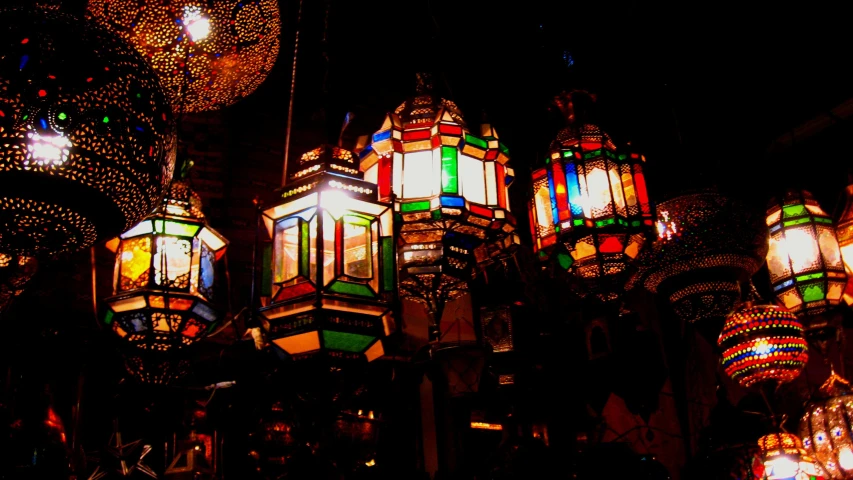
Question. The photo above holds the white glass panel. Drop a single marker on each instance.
(616, 189)
(357, 255)
(599, 192)
(802, 248)
(829, 247)
(212, 240)
(372, 174)
(286, 251)
(544, 216)
(418, 174)
(172, 261)
(472, 179)
(491, 184)
(397, 174)
(140, 229)
(328, 248)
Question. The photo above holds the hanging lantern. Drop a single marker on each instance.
(763, 343)
(208, 53)
(845, 242)
(331, 278)
(804, 258)
(590, 210)
(707, 244)
(86, 134)
(826, 428)
(15, 272)
(450, 193)
(782, 457)
(164, 281)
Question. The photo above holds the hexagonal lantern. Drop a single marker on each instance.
(331, 278)
(590, 210)
(450, 193)
(165, 275)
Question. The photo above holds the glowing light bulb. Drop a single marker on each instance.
(598, 187)
(762, 347)
(781, 467)
(845, 458)
(198, 26)
(47, 149)
(802, 249)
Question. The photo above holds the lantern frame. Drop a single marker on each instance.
(331, 309)
(826, 427)
(804, 289)
(782, 457)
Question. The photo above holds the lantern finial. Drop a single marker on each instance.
(424, 83)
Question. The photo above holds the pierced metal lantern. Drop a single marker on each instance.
(707, 244)
(87, 136)
(450, 193)
(15, 272)
(804, 258)
(590, 209)
(164, 279)
(331, 279)
(844, 233)
(826, 428)
(762, 343)
(208, 54)
(782, 457)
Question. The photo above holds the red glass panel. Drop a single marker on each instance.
(398, 145)
(410, 135)
(501, 185)
(642, 193)
(491, 154)
(481, 211)
(450, 129)
(531, 213)
(611, 244)
(339, 249)
(549, 240)
(294, 291)
(384, 179)
(590, 145)
(435, 141)
(561, 193)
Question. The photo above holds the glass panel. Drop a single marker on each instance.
(312, 254)
(628, 185)
(449, 178)
(374, 245)
(348, 342)
(777, 259)
(286, 250)
(598, 191)
(372, 174)
(802, 248)
(472, 179)
(575, 199)
(491, 184)
(208, 260)
(140, 229)
(172, 262)
(214, 241)
(181, 229)
(543, 207)
(616, 190)
(397, 174)
(418, 174)
(388, 266)
(829, 248)
(135, 263)
(328, 248)
(357, 241)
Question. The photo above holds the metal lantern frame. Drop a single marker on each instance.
(330, 217)
(165, 276)
(782, 457)
(827, 428)
(807, 271)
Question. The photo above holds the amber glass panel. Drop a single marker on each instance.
(630, 193)
(135, 263)
(544, 214)
(172, 262)
(829, 247)
(616, 189)
(286, 250)
(357, 255)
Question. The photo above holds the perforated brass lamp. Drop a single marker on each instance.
(332, 276)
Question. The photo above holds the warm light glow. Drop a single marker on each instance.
(762, 347)
(370, 463)
(845, 458)
(486, 426)
(172, 261)
(666, 227)
(197, 24)
(801, 248)
(781, 467)
(597, 196)
(47, 150)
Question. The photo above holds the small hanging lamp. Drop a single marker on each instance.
(826, 428)
(782, 457)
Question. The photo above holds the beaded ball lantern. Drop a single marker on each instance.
(762, 343)
(590, 209)
(450, 193)
(707, 244)
(804, 259)
(827, 428)
(164, 282)
(782, 457)
(87, 136)
(331, 275)
(208, 53)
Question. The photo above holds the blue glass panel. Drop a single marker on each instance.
(448, 201)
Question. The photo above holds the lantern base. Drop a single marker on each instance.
(154, 368)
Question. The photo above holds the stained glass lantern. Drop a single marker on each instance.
(86, 134)
(450, 193)
(845, 241)
(762, 343)
(804, 258)
(707, 244)
(208, 53)
(164, 280)
(590, 210)
(331, 279)
(782, 457)
(826, 428)
(15, 272)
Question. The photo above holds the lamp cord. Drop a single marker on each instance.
(292, 90)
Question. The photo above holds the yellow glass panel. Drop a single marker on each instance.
(774, 217)
(135, 263)
(544, 214)
(791, 299)
(132, 303)
(616, 189)
(583, 250)
(286, 251)
(836, 290)
(375, 351)
(357, 255)
(630, 192)
(301, 343)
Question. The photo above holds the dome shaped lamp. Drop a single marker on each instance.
(86, 134)
(782, 457)
(826, 428)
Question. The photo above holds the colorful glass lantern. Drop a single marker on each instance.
(763, 343)
(87, 137)
(208, 53)
(590, 209)
(331, 278)
(450, 193)
(826, 428)
(15, 272)
(782, 457)
(707, 244)
(804, 258)
(165, 277)
(845, 241)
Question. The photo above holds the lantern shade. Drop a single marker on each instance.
(332, 272)
(782, 457)
(804, 258)
(86, 134)
(826, 428)
(763, 343)
(208, 55)
(707, 244)
(165, 276)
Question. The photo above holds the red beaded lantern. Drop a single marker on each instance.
(763, 343)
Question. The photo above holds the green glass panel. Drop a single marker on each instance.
(600, 223)
(476, 141)
(811, 276)
(387, 249)
(812, 293)
(556, 228)
(577, 221)
(449, 170)
(266, 271)
(547, 160)
(304, 242)
(565, 260)
(798, 221)
(170, 227)
(567, 153)
(622, 156)
(354, 219)
(823, 220)
(347, 342)
(503, 148)
(415, 206)
(351, 289)
(635, 223)
(108, 318)
(436, 214)
(542, 254)
(793, 211)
